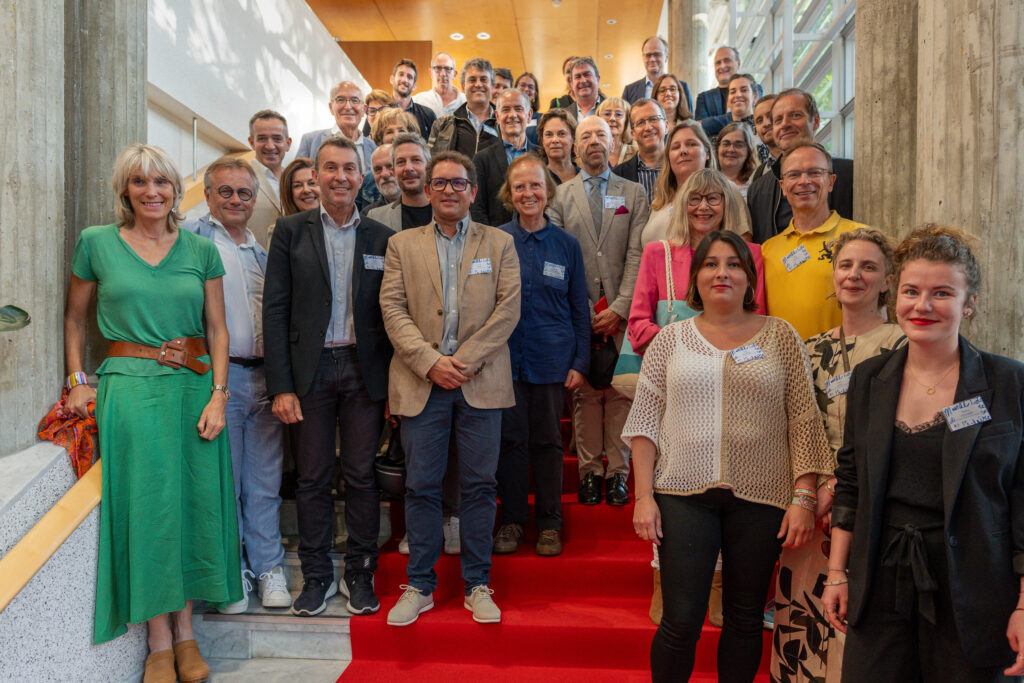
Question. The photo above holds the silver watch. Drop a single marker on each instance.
(223, 388)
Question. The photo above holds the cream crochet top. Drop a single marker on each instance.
(752, 426)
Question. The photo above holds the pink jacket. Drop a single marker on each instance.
(652, 288)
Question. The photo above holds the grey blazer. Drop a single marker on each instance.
(311, 141)
(389, 215)
(612, 260)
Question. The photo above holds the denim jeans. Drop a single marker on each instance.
(695, 527)
(425, 437)
(337, 399)
(256, 437)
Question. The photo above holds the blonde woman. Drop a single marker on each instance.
(687, 150)
(615, 111)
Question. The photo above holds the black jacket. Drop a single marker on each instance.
(770, 212)
(983, 492)
(629, 169)
(491, 167)
(297, 298)
(455, 132)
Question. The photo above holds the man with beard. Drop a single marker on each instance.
(403, 82)
(471, 128)
(383, 177)
(409, 158)
(492, 164)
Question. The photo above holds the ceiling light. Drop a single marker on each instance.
(606, 85)
(613, 21)
(609, 56)
(483, 35)
(556, 3)
(456, 36)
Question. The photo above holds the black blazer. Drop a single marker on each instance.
(983, 492)
(297, 298)
(491, 167)
(629, 169)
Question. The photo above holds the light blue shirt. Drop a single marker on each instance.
(603, 183)
(449, 259)
(477, 123)
(648, 87)
(340, 244)
(513, 152)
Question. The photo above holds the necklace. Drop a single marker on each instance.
(930, 389)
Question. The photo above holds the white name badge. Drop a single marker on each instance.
(966, 413)
(554, 270)
(838, 385)
(794, 258)
(372, 262)
(479, 266)
(613, 202)
(745, 353)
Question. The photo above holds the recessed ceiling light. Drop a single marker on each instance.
(556, 3)
(606, 85)
(483, 35)
(609, 56)
(613, 21)
(456, 36)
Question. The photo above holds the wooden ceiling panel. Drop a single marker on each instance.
(526, 35)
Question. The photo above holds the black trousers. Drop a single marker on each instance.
(695, 528)
(337, 399)
(531, 436)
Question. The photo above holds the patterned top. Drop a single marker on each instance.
(752, 426)
(827, 363)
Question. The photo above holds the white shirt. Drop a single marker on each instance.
(243, 292)
(432, 100)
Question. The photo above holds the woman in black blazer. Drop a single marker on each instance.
(928, 516)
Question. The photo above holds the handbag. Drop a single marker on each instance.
(670, 310)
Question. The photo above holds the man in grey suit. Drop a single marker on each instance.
(606, 214)
(347, 107)
(655, 54)
(409, 158)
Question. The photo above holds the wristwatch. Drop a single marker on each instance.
(223, 388)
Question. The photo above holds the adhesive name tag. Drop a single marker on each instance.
(372, 262)
(479, 266)
(614, 201)
(554, 270)
(966, 413)
(745, 353)
(838, 385)
(795, 258)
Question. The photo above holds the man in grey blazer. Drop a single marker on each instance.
(347, 106)
(606, 214)
(268, 137)
(409, 158)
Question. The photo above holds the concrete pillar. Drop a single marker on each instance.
(105, 110)
(31, 215)
(885, 122)
(970, 137)
(688, 43)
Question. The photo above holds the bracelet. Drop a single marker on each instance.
(1019, 609)
(845, 571)
(803, 490)
(805, 504)
(651, 494)
(76, 379)
(837, 582)
(828, 487)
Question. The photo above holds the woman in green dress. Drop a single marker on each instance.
(805, 647)
(168, 530)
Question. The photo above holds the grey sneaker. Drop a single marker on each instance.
(403, 545)
(452, 544)
(410, 606)
(273, 589)
(479, 602)
(243, 604)
(508, 539)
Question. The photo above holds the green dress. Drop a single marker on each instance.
(168, 528)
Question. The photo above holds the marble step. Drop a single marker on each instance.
(290, 525)
(275, 670)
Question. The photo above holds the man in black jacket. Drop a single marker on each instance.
(327, 358)
(492, 164)
(647, 123)
(794, 120)
(471, 128)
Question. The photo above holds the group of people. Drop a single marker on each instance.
(459, 264)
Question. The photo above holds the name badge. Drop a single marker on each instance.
(479, 266)
(966, 413)
(554, 270)
(613, 202)
(794, 258)
(745, 353)
(838, 385)
(372, 262)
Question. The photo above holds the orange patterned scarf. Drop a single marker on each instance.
(75, 434)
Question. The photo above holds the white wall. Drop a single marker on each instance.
(223, 61)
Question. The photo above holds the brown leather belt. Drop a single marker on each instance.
(176, 353)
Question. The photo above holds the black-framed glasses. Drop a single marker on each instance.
(227, 192)
(446, 69)
(812, 173)
(458, 184)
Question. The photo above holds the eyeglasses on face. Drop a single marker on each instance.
(653, 55)
(373, 111)
(712, 198)
(812, 173)
(227, 192)
(352, 101)
(445, 69)
(649, 121)
(729, 144)
(458, 184)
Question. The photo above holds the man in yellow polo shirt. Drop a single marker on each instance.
(797, 261)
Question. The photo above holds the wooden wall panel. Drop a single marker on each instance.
(376, 59)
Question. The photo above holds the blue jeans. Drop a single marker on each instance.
(256, 437)
(425, 438)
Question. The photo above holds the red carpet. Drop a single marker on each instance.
(579, 617)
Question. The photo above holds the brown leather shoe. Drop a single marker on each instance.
(550, 543)
(160, 667)
(191, 666)
(656, 604)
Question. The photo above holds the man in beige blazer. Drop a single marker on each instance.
(450, 301)
(606, 214)
(268, 137)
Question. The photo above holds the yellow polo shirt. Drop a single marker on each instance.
(803, 294)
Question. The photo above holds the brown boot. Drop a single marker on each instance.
(191, 667)
(160, 667)
(656, 606)
(715, 601)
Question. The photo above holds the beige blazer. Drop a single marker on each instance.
(413, 309)
(613, 259)
(267, 209)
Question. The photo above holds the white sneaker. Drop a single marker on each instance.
(274, 588)
(410, 606)
(452, 544)
(481, 604)
(403, 545)
(243, 604)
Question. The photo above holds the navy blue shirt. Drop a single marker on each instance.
(553, 334)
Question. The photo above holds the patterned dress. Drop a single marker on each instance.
(805, 647)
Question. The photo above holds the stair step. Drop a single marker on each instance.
(275, 670)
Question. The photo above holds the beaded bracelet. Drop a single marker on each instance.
(805, 503)
(75, 379)
(809, 492)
